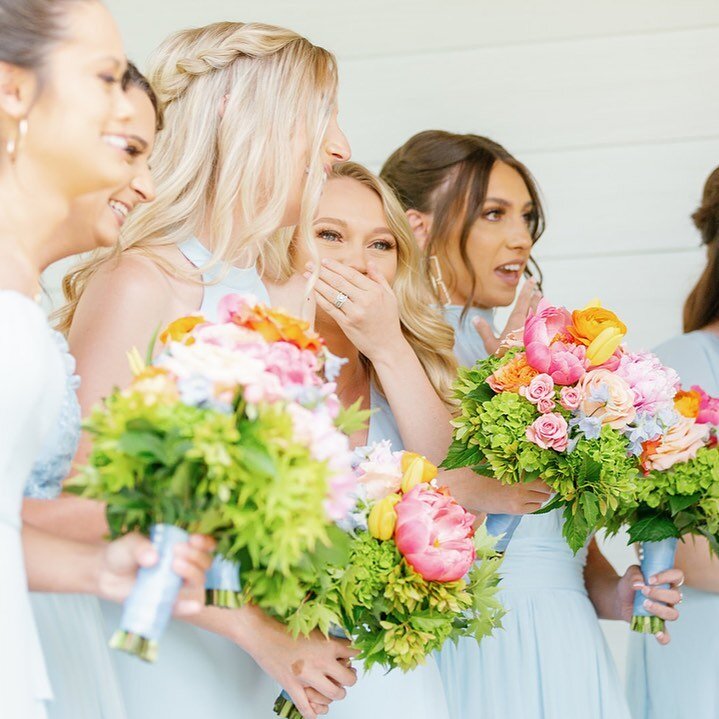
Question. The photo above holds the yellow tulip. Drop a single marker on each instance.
(603, 346)
(416, 469)
(383, 518)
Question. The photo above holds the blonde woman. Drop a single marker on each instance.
(250, 133)
(374, 309)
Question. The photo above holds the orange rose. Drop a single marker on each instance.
(599, 329)
(513, 375)
(275, 325)
(688, 403)
(179, 330)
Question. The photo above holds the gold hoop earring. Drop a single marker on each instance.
(14, 144)
(435, 276)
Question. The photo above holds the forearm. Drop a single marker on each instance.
(76, 518)
(56, 564)
(422, 417)
(601, 581)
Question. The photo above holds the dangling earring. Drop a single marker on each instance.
(435, 275)
(14, 144)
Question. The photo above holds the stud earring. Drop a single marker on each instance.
(14, 144)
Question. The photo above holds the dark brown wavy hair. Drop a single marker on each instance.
(702, 305)
(447, 174)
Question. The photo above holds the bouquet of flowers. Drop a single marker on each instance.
(408, 579)
(560, 405)
(232, 431)
(678, 493)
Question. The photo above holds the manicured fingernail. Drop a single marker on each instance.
(310, 266)
(647, 604)
(652, 580)
(645, 591)
(638, 585)
(659, 635)
(307, 275)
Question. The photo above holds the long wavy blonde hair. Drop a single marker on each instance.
(234, 97)
(431, 338)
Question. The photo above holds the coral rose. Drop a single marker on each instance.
(607, 397)
(681, 443)
(512, 375)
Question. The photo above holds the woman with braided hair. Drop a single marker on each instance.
(250, 134)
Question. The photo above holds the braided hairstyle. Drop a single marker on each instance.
(702, 306)
(234, 96)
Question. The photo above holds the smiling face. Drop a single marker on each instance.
(351, 228)
(96, 219)
(73, 122)
(498, 244)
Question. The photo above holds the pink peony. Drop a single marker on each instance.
(567, 363)
(679, 444)
(653, 384)
(543, 327)
(570, 398)
(541, 387)
(434, 534)
(550, 431)
(708, 408)
(607, 397)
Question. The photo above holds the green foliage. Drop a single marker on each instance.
(245, 481)
(395, 617)
(681, 500)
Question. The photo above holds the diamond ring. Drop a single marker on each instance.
(340, 300)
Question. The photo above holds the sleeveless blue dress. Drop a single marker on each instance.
(417, 694)
(71, 627)
(681, 680)
(550, 661)
(198, 673)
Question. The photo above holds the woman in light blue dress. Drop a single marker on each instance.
(476, 211)
(681, 681)
(374, 310)
(219, 203)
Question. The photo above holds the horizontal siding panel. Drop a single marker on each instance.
(622, 199)
(378, 27)
(539, 98)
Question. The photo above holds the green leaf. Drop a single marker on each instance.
(555, 503)
(144, 445)
(590, 505)
(481, 393)
(460, 455)
(678, 502)
(575, 529)
(652, 529)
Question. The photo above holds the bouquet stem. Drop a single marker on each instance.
(148, 609)
(656, 557)
(222, 586)
(502, 526)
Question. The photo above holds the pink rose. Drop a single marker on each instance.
(708, 408)
(607, 397)
(570, 398)
(546, 405)
(434, 534)
(541, 387)
(550, 431)
(680, 444)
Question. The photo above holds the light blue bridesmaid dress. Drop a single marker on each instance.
(71, 627)
(418, 694)
(681, 680)
(550, 661)
(198, 673)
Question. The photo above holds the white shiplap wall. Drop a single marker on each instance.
(612, 105)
